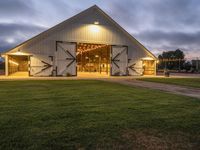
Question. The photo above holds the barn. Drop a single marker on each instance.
(89, 42)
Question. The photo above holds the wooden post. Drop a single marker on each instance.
(89, 61)
(155, 67)
(6, 65)
(107, 59)
(81, 62)
(100, 61)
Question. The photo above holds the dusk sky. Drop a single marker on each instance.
(160, 25)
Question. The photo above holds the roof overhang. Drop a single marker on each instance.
(18, 53)
(148, 58)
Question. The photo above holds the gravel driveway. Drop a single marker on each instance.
(181, 90)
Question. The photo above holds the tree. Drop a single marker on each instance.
(187, 66)
(172, 60)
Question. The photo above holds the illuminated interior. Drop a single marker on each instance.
(93, 58)
(149, 67)
(17, 63)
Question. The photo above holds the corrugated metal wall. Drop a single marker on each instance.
(82, 29)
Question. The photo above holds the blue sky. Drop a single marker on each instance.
(160, 25)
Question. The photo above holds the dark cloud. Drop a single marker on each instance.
(176, 13)
(12, 28)
(15, 8)
(163, 41)
(52, 12)
(126, 12)
(173, 38)
(13, 33)
(156, 14)
(161, 24)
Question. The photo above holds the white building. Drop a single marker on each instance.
(90, 41)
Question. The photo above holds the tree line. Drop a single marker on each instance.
(175, 60)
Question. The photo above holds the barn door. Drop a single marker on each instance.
(41, 65)
(119, 60)
(135, 67)
(66, 59)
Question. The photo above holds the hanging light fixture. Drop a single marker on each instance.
(96, 22)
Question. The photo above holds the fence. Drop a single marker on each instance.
(189, 64)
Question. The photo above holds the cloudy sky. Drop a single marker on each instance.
(160, 25)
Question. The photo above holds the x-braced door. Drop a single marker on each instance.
(66, 59)
(135, 67)
(119, 60)
(41, 65)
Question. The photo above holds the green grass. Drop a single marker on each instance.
(190, 82)
(94, 115)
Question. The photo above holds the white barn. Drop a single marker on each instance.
(90, 41)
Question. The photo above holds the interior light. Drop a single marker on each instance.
(96, 56)
(96, 22)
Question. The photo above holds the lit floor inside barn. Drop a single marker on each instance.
(93, 59)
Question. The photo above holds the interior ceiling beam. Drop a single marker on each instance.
(83, 50)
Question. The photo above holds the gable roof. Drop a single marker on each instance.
(70, 19)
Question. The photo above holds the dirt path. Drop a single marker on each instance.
(181, 90)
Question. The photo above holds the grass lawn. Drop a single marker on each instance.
(190, 82)
(94, 115)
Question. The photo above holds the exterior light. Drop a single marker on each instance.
(96, 22)
(19, 53)
(147, 58)
(94, 28)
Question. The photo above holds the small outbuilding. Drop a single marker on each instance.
(90, 41)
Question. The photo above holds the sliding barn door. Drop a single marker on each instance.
(135, 67)
(119, 60)
(66, 59)
(41, 65)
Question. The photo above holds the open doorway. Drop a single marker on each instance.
(17, 65)
(93, 59)
(149, 67)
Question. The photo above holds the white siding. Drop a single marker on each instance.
(79, 29)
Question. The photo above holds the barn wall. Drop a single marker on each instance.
(83, 33)
(82, 29)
